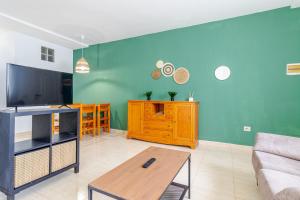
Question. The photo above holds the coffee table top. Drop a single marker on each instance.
(130, 181)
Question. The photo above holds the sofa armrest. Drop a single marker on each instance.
(291, 193)
(285, 146)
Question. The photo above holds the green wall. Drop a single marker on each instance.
(259, 93)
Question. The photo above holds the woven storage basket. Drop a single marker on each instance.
(31, 166)
(63, 155)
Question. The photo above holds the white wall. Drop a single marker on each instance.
(21, 49)
(6, 55)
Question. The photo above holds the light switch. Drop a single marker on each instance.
(247, 128)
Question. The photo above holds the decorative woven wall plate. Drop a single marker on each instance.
(156, 74)
(181, 75)
(160, 64)
(168, 70)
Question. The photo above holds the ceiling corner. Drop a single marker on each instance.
(295, 4)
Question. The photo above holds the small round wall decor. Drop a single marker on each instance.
(160, 64)
(168, 69)
(156, 74)
(222, 72)
(181, 75)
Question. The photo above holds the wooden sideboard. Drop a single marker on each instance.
(167, 122)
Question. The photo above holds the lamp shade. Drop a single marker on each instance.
(82, 66)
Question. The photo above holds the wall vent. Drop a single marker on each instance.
(47, 54)
(293, 69)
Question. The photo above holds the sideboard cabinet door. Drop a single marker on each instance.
(183, 131)
(135, 118)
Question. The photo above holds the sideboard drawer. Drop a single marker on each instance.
(157, 133)
(158, 125)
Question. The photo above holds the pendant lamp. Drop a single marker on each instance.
(82, 66)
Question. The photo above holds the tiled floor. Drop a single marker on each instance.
(219, 171)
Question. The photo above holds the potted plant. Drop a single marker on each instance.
(148, 95)
(172, 95)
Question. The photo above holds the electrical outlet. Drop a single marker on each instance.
(247, 128)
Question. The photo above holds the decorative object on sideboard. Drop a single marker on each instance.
(159, 64)
(222, 72)
(168, 70)
(191, 96)
(82, 66)
(156, 74)
(181, 75)
(148, 95)
(172, 95)
(293, 69)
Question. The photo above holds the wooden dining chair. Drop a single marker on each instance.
(89, 119)
(103, 117)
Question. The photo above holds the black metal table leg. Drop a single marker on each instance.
(189, 174)
(76, 169)
(90, 193)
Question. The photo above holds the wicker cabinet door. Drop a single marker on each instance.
(31, 166)
(63, 155)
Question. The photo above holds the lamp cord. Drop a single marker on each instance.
(82, 38)
(98, 55)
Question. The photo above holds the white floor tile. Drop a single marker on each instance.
(219, 171)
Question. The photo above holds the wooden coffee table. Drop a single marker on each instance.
(133, 182)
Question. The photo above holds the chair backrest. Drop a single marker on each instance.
(76, 105)
(88, 108)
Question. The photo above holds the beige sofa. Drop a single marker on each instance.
(276, 161)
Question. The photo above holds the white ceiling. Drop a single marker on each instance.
(63, 21)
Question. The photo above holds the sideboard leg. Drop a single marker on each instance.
(193, 146)
(10, 197)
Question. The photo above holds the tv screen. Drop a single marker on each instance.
(27, 86)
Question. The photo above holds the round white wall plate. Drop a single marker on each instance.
(222, 72)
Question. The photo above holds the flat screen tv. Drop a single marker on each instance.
(27, 86)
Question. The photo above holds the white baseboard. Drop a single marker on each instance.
(119, 131)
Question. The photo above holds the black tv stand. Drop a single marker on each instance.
(51, 154)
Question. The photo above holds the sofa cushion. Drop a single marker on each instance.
(278, 144)
(271, 182)
(291, 193)
(262, 160)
